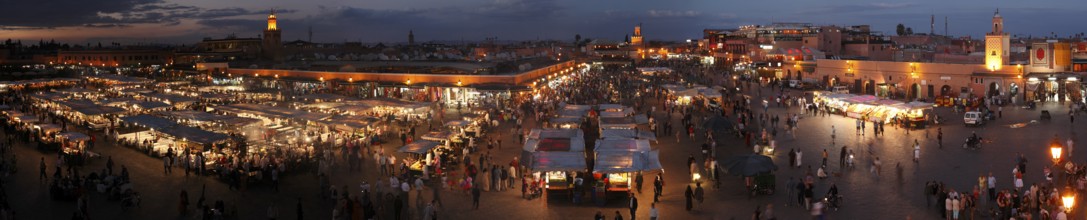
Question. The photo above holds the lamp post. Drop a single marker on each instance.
(1068, 200)
(1055, 152)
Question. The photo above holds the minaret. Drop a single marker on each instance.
(272, 41)
(932, 25)
(411, 37)
(636, 40)
(997, 44)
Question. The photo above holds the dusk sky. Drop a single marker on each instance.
(188, 21)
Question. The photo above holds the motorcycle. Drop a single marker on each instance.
(833, 201)
(972, 143)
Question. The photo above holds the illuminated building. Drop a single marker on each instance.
(272, 38)
(997, 44)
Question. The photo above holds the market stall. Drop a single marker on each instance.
(179, 136)
(617, 123)
(871, 108)
(74, 147)
(566, 122)
(617, 160)
(420, 156)
(557, 167)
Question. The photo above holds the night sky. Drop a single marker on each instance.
(188, 21)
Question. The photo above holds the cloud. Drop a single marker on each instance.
(670, 13)
(855, 8)
(106, 25)
(107, 13)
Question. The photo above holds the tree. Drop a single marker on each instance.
(577, 39)
(900, 29)
(909, 31)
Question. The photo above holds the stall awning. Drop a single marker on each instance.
(87, 107)
(625, 162)
(457, 123)
(26, 118)
(557, 161)
(632, 145)
(614, 114)
(169, 127)
(48, 127)
(556, 133)
(566, 120)
(225, 120)
(570, 113)
(151, 105)
(73, 136)
(576, 107)
(554, 144)
(438, 135)
(418, 147)
(627, 134)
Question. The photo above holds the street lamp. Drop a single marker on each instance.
(1055, 151)
(1069, 200)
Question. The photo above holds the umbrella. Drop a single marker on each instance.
(717, 123)
(750, 165)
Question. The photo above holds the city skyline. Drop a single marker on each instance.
(181, 21)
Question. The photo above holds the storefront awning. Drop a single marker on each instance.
(556, 161)
(419, 147)
(73, 136)
(626, 162)
(627, 134)
(631, 145)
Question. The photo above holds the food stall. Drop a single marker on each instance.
(74, 146)
(873, 108)
(165, 134)
(420, 155)
(915, 114)
(617, 160)
(614, 110)
(566, 122)
(617, 123)
(557, 167)
(82, 110)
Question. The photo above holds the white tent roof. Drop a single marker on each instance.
(557, 161)
(631, 145)
(627, 134)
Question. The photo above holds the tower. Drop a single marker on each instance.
(932, 25)
(272, 41)
(636, 40)
(996, 44)
(411, 37)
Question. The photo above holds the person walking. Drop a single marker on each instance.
(916, 151)
(475, 198)
(940, 137)
(298, 208)
(841, 157)
(825, 155)
(633, 206)
(658, 186)
(689, 195)
(653, 213)
(42, 177)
